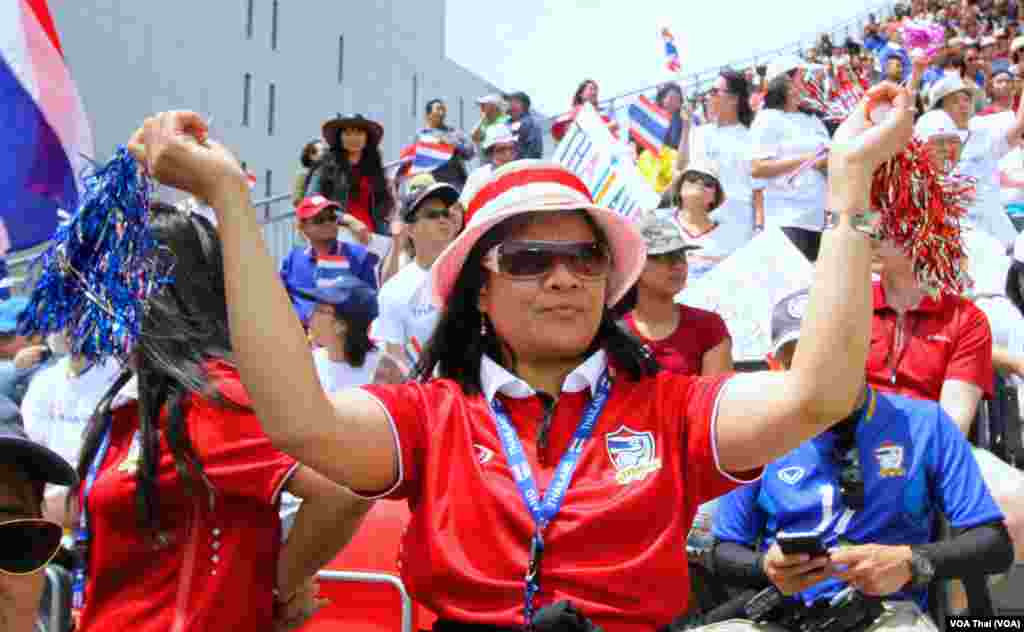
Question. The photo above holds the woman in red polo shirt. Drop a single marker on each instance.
(180, 528)
(683, 339)
(592, 506)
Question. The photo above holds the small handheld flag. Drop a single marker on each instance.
(430, 155)
(672, 61)
(648, 124)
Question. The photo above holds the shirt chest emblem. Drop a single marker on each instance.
(483, 455)
(890, 460)
(632, 454)
(792, 475)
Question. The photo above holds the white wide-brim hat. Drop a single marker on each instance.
(937, 124)
(527, 186)
(945, 87)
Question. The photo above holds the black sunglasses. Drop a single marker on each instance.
(434, 213)
(533, 259)
(28, 545)
(700, 178)
(323, 218)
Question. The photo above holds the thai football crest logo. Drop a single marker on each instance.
(890, 460)
(632, 453)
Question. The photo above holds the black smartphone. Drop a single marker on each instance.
(795, 544)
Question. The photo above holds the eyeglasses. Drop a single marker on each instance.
(533, 259)
(669, 258)
(323, 218)
(699, 178)
(434, 213)
(28, 545)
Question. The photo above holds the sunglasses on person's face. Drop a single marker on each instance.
(434, 213)
(28, 545)
(323, 218)
(699, 178)
(533, 259)
(669, 258)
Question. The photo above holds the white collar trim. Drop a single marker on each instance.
(495, 378)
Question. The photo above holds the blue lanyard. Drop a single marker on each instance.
(82, 532)
(543, 510)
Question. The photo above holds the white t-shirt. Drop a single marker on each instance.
(58, 405)
(1006, 322)
(407, 315)
(986, 146)
(779, 135)
(335, 376)
(730, 148)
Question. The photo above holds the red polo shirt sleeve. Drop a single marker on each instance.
(404, 405)
(694, 402)
(237, 456)
(971, 361)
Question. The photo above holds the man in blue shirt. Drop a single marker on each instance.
(326, 257)
(870, 489)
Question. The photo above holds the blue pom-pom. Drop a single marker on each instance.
(101, 267)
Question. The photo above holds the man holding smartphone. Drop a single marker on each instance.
(855, 508)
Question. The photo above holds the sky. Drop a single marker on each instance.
(546, 47)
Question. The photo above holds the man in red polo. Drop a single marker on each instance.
(929, 348)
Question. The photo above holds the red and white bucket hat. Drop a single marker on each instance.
(526, 186)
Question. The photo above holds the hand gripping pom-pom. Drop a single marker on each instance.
(102, 266)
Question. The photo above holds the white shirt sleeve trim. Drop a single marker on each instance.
(398, 454)
(284, 483)
(714, 437)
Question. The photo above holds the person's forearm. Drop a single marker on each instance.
(771, 168)
(1013, 136)
(835, 335)
(983, 550)
(739, 565)
(322, 528)
(758, 203)
(391, 263)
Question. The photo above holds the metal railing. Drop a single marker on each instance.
(375, 578)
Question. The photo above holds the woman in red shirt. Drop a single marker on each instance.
(592, 508)
(586, 92)
(683, 339)
(180, 488)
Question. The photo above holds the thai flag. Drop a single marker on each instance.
(648, 124)
(430, 155)
(330, 269)
(47, 138)
(671, 52)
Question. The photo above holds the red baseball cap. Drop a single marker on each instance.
(313, 206)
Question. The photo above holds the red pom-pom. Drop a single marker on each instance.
(920, 212)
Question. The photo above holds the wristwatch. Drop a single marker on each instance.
(922, 571)
(865, 222)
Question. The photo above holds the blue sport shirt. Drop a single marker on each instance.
(300, 270)
(914, 462)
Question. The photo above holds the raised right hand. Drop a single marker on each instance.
(175, 149)
(793, 573)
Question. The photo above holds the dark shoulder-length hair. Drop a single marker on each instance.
(458, 345)
(775, 94)
(577, 99)
(370, 165)
(184, 327)
(665, 90)
(357, 337)
(738, 85)
(1013, 286)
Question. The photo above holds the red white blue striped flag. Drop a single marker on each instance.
(672, 61)
(648, 124)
